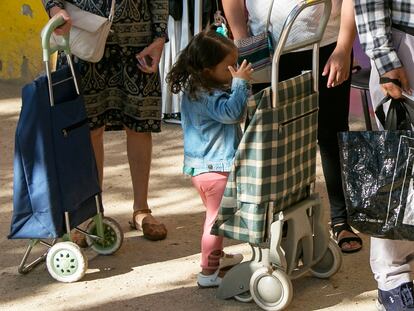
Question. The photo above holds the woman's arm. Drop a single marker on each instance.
(234, 11)
(149, 58)
(338, 64)
(375, 34)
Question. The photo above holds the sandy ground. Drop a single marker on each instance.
(146, 275)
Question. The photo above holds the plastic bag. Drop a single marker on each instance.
(400, 114)
(377, 174)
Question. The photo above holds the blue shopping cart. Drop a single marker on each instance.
(56, 186)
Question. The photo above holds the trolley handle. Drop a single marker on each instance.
(314, 40)
(63, 45)
(47, 31)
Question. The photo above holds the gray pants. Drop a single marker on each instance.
(391, 260)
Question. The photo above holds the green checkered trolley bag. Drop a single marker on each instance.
(268, 201)
(275, 162)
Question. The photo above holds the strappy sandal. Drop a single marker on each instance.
(337, 229)
(151, 230)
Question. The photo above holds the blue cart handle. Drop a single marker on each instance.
(46, 33)
(55, 22)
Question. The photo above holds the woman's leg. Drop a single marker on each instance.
(333, 118)
(139, 150)
(98, 148)
(211, 187)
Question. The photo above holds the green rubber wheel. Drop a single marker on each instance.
(113, 237)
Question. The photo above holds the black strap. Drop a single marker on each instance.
(384, 80)
(407, 29)
(379, 111)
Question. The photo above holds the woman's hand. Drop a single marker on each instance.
(149, 58)
(391, 88)
(337, 67)
(243, 72)
(65, 28)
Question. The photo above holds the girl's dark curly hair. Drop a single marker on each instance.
(204, 51)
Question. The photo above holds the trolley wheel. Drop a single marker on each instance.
(244, 297)
(271, 290)
(66, 262)
(113, 237)
(330, 263)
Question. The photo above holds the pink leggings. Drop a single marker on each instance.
(211, 187)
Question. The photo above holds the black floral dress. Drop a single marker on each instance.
(116, 92)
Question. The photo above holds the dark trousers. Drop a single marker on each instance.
(333, 118)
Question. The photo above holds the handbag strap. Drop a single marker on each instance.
(269, 15)
(112, 12)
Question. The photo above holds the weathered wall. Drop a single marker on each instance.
(20, 52)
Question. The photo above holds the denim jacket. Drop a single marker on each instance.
(211, 127)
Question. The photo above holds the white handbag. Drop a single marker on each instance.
(88, 34)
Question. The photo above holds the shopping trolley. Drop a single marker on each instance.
(269, 200)
(56, 184)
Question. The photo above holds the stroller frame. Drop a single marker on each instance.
(65, 260)
(306, 245)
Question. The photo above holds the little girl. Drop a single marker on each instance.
(213, 103)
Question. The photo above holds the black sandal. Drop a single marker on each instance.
(337, 229)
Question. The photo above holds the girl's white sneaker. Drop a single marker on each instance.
(206, 281)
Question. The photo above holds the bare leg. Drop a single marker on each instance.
(139, 150)
(98, 148)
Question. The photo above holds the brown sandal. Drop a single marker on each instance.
(153, 232)
(79, 239)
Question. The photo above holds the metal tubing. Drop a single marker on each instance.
(72, 70)
(23, 268)
(98, 219)
(281, 48)
(49, 84)
(67, 223)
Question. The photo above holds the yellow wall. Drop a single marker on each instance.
(20, 49)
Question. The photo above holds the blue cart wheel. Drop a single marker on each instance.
(113, 237)
(66, 262)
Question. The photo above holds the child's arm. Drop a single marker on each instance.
(229, 108)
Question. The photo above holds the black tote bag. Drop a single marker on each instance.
(377, 174)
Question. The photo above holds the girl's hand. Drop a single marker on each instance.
(149, 58)
(338, 67)
(65, 28)
(243, 72)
